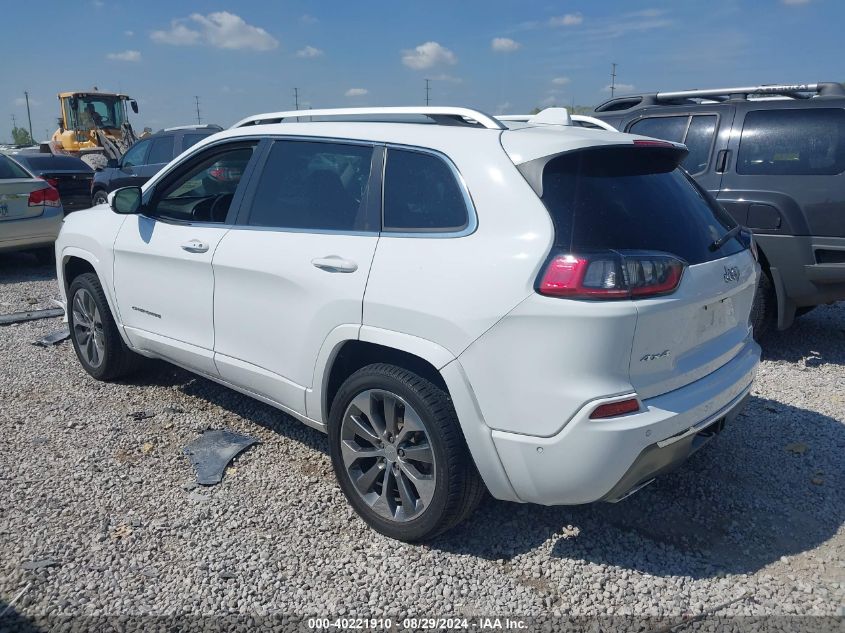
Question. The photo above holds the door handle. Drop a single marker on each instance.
(335, 264)
(195, 246)
(722, 160)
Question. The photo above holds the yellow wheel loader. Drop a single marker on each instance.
(93, 126)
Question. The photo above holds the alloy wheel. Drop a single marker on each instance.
(88, 328)
(387, 454)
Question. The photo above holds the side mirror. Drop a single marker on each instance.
(125, 201)
(134, 105)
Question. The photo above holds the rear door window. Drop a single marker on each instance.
(161, 150)
(189, 140)
(10, 169)
(632, 198)
(697, 132)
(422, 194)
(801, 142)
(136, 155)
(313, 186)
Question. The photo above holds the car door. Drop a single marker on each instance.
(705, 132)
(128, 172)
(164, 284)
(295, 266)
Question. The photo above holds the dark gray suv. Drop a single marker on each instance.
(146, 157)
(774, 157)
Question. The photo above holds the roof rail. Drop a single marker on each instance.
(202, 126)
(441, 115)
(789, 91)
(573, 118)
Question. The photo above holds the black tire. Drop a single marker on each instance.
(764, 310)
(799, 312)
(458, 487)
(99, 197)
(45, 255)
(117, 360)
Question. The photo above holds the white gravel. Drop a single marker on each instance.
(104, 508)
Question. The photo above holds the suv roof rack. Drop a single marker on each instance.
(742, 93)
(204, 126)
(439, 115)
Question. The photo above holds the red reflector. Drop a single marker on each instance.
(47, 197)
(641, 142)
(613, 409)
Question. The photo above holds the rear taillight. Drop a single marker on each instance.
(53, 182)
(48, 197)
(614, 409)
(612, 275)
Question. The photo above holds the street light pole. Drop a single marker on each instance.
(28, 116)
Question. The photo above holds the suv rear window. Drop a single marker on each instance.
(805, 142)
(632, 198)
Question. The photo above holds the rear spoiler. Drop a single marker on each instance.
(643, 156)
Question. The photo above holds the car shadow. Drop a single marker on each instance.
(771, 485)
(24, 266)
(817, 338)
(12, 621)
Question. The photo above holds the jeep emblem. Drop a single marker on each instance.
(731, 274)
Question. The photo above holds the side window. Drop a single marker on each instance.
(695, 132)
(421, 194)
(203, 189)
(699, 141)
(189, 140)
(668, 128)
(805, 142)
(313, 186)
(136, 155)
(161, 150)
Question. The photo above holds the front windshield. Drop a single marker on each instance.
(96, 111)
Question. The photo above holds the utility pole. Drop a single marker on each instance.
(28, 116)
(197, 100)
(296, 98)
(612, 80)
(427, 91)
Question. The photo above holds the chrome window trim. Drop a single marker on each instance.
(472, 214)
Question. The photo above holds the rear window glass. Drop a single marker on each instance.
(48, 162)
(696, 132)
(632, 199)
(10, 169)
(421, 194)
(804, 142)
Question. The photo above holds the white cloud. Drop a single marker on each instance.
(309, 52)
(549, 101)
(428, 55)
(125, 56)
(560, 81)
(620, 88)
(129, 33)
(220, 29)
(356, 92)
(308, 19)
(502, 108)
(570, 19)
(504, 45)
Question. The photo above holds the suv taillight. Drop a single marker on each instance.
(611, 275)
(48, 197)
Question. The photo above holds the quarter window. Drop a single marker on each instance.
(696, 132)
(805, 142)
(313, 186)
(189, 140)
(421, 194)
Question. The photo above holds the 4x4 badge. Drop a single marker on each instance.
(731, 274)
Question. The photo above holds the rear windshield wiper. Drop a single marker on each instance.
(716, 245)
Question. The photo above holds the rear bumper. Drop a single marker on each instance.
(16, 235)
(799, 279)
(591, 460)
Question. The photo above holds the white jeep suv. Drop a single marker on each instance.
(550, 313)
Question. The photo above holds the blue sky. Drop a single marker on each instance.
(501, 56)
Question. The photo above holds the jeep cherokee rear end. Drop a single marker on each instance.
(635, 347)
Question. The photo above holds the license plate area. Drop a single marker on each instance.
(715, 318)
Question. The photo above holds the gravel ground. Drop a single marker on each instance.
(108, 502)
